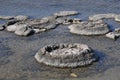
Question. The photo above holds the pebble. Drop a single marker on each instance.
(73, 75)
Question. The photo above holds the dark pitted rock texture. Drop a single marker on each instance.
(66, 55)
(89, 28)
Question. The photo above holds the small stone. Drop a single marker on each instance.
(73, 75)
(36, 30)
(111, 35)
(65, 13)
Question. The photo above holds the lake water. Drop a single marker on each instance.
(17, 53)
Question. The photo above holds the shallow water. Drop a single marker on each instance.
(17, 53)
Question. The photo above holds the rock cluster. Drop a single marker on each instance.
(66, 55)
(23, 26)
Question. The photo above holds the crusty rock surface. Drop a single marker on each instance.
(66, 55)
(89, 28)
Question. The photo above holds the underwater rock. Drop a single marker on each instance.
(102, 16)
(65, 13)
(89, 28)
(114, 35)
(66, 55)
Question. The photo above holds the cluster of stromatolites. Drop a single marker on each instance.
(66, 55)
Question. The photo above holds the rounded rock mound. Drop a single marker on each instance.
(89, 28)
(66, 55)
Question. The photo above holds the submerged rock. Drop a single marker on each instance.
(114, 35)
(66, 55)
(65, 13)
(102, 16)
(89, 28)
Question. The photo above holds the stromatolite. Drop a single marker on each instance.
(66, 55)
(89, 28)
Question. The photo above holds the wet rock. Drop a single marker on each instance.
(111, 35)
(65, 13)
(102, 16)
(11, 28)
(89, 28)
(21, 17)
(6, 17)
(24, 31)
(65, 20)
(60, 55)
(73, 75)
(11, 22)
(117, 18)
(72, 21)
(39, 30)
(114, 35)
(2, 27)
